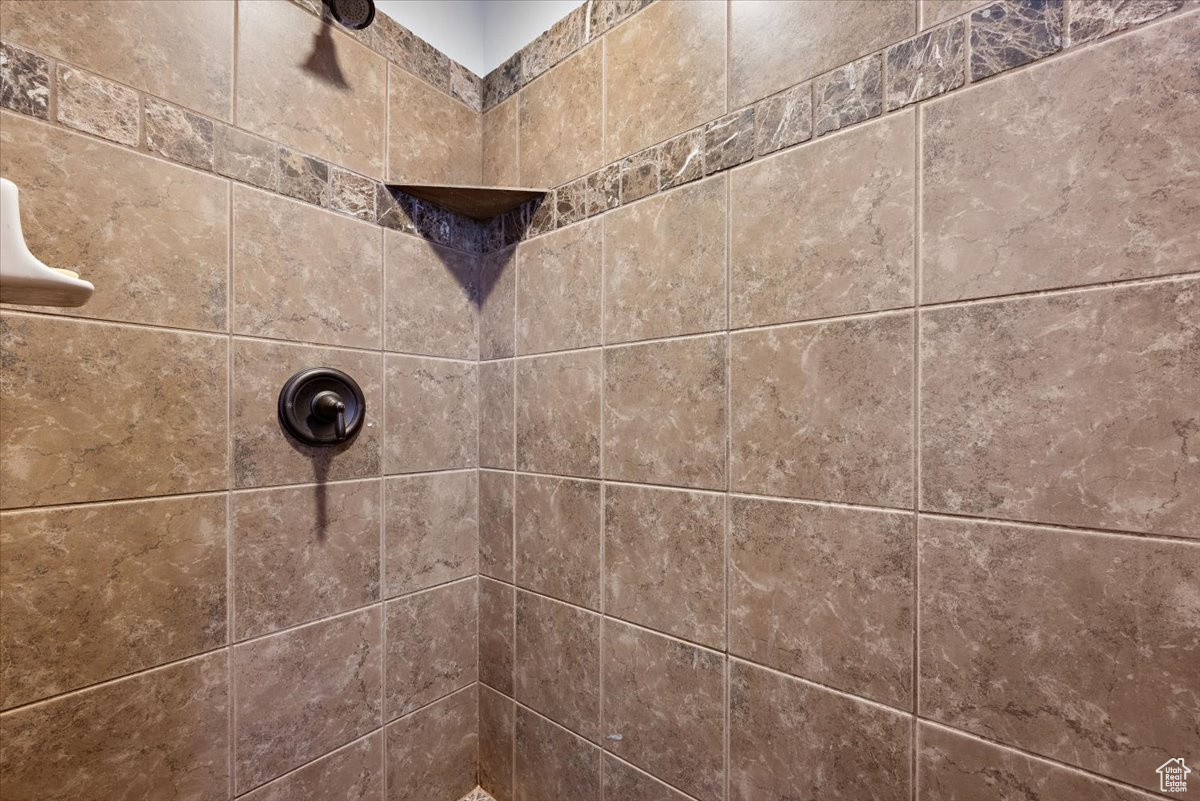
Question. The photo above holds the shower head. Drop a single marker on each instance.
(356, 14)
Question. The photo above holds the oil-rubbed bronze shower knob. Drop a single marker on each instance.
(321, 406)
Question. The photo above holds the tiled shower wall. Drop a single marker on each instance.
(192, 607)
(838, 417)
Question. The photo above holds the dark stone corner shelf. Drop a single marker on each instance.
(477, 202)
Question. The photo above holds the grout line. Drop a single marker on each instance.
(918, 229)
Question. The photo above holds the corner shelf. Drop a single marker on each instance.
(477, 202)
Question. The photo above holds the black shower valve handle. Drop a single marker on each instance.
(328, 405)
(321, 406)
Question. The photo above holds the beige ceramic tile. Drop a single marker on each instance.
(824, 593)
(302, 693)
(310, 86)
(558, 414)
(497, 296)
(558, 538)
(303, 553)
(95, 412)
(262, 454)
(776, 44)
(431, 292)
(496, 412)
(664, 265)
(1076, 409)
(826, 229)
(496, 524)
(496, 723)
(934, 12)
(304, 274)
(824, 411)
(1075, 645)
(660, 694)
(431, 646)
(496, 614)
(551, 763)
(558, 663)
(664, 413)
(131, 585)
(500, 145)
(789, 739)
(664, 74)
(952, 767)
(560, 121)
(181, 50)
(353, 772)
(558, 290)
(432, 415)
(430, 530)
(82, 745)
(432, 138)
(152, 236)
(664, 561)
(626, 782)
(1108, 193)
(431, 753)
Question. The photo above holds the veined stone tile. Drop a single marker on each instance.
(83, 745)
(729, 141)
(394, 209)
(155, 433)
(496, 387)
(352, 194)
(558, 663)
(681, 160)
(431, 296)
(558, 538)
(303, 177)
(134, 585)
(783, 120)
(1010, 33)
(559, 278)
(551, 763)
(1095, 19)
(433, 138)
(97, 106)
(500, 145)
(560, 131)
(466, 86)
(1078, 409)
(301, 554)
(1076, 645)
(431, 646)
(841, 612)
(571, 202)
(430, 530)
(604, 14)
(179, 134)
(24, 81)
(496, 492)
(850, 94)
(603, 190)
(401, 46)
(432, 415)
(639, 175)
(502, 82)
(660, 694)
(496, 620)
(245, 157)
(1092, 202)
(353, 772)
(431, 753)
(552, 46)
(927, 65)
(496, 713)
(543, 215)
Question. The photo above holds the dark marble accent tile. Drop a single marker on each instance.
(558, 414)
(303, 692)
(353, 772)
(245, 157)
(729, 141)
(849, 94)
(352, 194)
(639, 175)
(502, 82)
(558, 662)
(558, 538)
(430, 530)
(927, 65)
(431, 646)
(493, 235)
(681, 159)
(571, 201)
(179, 134)
(393, 209)
(1077, 645)
(496, 713)
(1095, 19)
(24, 81)
(97, 106)
(552, 46)
(497, 294)
(434, 222)
(552, 764)
(129, 739)
(543, 216)
(783, 120)
(401, 46)
(496, 524)
(496, 610)
(664, 708)
(954, 767)
(793, 740)
(303, 177)
(603, 190)
(1010, 33)
(603, 14)
(627, 783)
(431, 753)
(496, 414)
(466, 86)
(515, 224)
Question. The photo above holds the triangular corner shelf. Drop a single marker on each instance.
(478, 202)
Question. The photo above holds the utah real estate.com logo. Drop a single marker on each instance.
(1172, 776)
